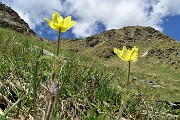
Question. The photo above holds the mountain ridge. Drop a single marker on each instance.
(150, 41)
(10, 19)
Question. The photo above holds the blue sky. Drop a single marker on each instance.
(172, 27)
(95, 16)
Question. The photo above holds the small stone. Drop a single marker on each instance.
(157, 86)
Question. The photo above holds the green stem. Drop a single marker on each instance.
(58, 47)
(128, 75)
(125, 94)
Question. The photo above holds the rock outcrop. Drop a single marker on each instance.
(10, 19)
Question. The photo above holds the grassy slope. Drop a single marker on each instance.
(154, 67)
(86, 83)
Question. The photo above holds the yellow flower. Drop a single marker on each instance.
(127, 55)
(58, 23)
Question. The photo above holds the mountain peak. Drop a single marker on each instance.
(137, 33)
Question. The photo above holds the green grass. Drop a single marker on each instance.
(90, 89)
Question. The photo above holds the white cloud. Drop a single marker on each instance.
(82, 29)
(115, 14)
(166, 7)
(33, 11)
(162, 9)
(112, 14)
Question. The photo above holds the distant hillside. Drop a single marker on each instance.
(151, 42)
(9, 18)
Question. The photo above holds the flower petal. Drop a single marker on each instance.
(117, 51)
(134, 55)
(59, 20)
(50, 23)
(58, 23)
(67, 21)
(72, 23)
(54, 18)
(127, 55)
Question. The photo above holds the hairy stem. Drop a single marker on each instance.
(50, 107)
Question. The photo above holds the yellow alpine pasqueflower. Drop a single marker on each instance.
(58, 23)
(127, 55)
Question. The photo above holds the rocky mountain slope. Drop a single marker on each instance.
(9, 18)
(151, 43)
